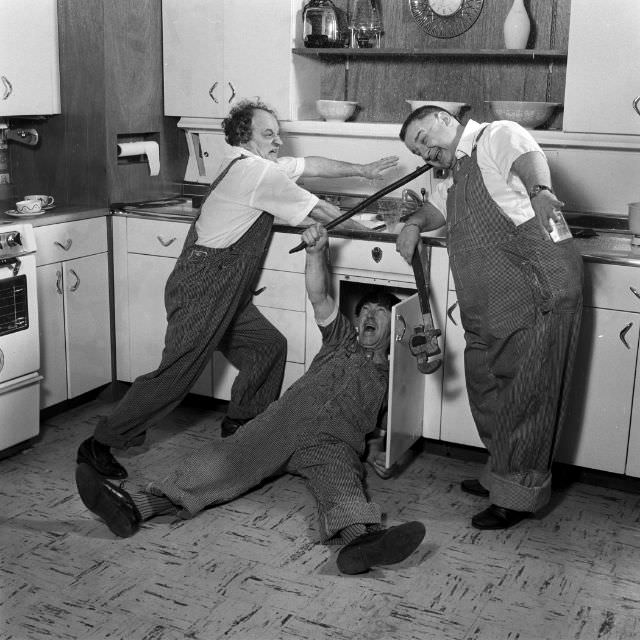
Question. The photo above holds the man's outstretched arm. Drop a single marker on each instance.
(317, 277)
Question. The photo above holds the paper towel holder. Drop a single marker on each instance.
(123, 138)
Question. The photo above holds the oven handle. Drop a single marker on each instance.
(16, 262)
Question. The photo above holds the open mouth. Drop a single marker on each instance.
(369, 327)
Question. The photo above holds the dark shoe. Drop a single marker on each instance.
(99, 456)
(230, 425)
(474, 488)
(387, 546)
(113, 504)
(495, 517)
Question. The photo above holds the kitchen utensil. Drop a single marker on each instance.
(445, 18)
(336, 110)
(453, 108)
(367, 201)
(321, 24)
(45, 201)
(28, 206)
(527, 114)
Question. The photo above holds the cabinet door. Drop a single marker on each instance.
(53, 355)
(457, 423)
(193, 56)
(603, 67)
(597, 428)
(87, 323)
(29, 75)
(257, 52)
(406, 383)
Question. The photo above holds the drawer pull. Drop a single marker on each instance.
(257, 292)
(66, 246)
(76, 284)
(623, 335)
(165, 243)
(450, 311)
(635, 292)
(59, 282)
(213, 88)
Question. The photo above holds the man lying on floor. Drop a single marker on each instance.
(316, 430)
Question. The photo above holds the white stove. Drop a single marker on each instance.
(19, 337)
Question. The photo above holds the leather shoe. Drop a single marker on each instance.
(495, 517)
(386, 546)
(230, 425)
(99, 456)
(474, 488)
(113, 504)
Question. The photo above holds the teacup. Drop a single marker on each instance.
(45, 201)
(29, 206)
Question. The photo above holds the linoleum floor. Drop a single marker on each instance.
(252, 569)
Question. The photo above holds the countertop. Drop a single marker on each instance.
(605, 239)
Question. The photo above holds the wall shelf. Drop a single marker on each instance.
(415, 54)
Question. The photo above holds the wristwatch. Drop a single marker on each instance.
(537, 188)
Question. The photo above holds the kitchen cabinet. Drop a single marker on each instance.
(603, 68)
(73, 301)
(218, 52)
(29, 72)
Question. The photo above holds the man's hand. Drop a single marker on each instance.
(316, 238)
(374, 170)
(546, 206)
(407, 241)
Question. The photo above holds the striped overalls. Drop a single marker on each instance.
(208, 303)
(520, 298)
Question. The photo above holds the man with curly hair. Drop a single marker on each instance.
(208, 296)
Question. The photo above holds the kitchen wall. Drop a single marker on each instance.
(381, 85)
(110, 85)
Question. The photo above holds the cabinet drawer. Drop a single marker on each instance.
(608, 286)
(278, 256)
(368, 256)
(291, 325)
(69, 240)
(156, 237)
(282, 290)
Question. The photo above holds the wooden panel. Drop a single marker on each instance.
(381, 86)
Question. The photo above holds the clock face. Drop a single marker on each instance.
(445, 18)
(445, 7)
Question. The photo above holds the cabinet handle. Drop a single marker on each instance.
(76, 284)
(66, 246)
(59, 282)
(450, 311)
(165, 243)
(623, 334)
(635, 105)
(257, 292)
(635, 292)
(213, 88)
(400, 333)
(233, 92)
(8, 88)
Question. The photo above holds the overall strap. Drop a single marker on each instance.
(222, 174)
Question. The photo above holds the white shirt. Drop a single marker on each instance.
(253, 185)
(501, 144)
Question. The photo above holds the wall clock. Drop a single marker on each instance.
(445, 18)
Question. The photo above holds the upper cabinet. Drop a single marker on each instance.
(29, 72)
(603, 67)
(216, 53)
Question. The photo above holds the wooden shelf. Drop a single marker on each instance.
(523, 54)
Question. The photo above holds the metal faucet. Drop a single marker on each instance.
(410, 194)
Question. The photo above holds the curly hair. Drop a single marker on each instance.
(237, 125)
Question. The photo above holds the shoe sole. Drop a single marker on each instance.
(93, 495)
(395, 545)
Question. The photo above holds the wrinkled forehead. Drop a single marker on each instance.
(263, 120)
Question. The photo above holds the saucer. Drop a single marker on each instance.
(49, 207)
(17, 214)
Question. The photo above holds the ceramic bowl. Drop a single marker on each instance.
(453, 108)
(336, 110)
(527, 114)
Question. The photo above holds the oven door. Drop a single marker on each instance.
(19, 339)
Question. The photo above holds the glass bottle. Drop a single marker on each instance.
(365, 24)
(320, 24)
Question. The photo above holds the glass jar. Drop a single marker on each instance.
(365, 24)
(321, 26)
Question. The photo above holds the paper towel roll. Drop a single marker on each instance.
(149, 149)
